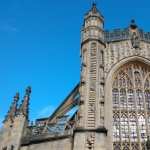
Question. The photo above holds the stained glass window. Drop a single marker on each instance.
(131, 107)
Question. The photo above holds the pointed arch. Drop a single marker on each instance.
(125, 88)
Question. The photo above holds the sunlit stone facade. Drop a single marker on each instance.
(111, 103)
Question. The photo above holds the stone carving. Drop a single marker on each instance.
(135, 40)
(90, 141)
(92, 107)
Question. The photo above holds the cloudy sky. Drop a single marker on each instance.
(40, 46)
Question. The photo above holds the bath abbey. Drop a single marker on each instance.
(112, 98)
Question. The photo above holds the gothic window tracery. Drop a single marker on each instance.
(115, 98)
(131, 106)
(147, 99)
(123, 100)
(139, 97)
(130, 99)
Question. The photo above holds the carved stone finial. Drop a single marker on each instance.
(133, 24)
(28, 90)
(13, 109)
(16, 97)
(94, 8)
(24, 107)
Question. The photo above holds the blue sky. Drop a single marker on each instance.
(40, 46)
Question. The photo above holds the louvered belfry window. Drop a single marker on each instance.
(131, 106)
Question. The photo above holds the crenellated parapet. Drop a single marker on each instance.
(123, 34)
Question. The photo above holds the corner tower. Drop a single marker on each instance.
(90, 126)
(15, 123)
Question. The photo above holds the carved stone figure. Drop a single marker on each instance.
(135, 40)
(90, 141)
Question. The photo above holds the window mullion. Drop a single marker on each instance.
(135, 100)
(129, 132)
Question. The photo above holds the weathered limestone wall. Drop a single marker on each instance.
(60, 144)
(11, 136)
(116, 51)
(117, 54)
(80, 141)
(84, 142)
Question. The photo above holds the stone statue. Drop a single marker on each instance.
(90, 141)
(135, 40)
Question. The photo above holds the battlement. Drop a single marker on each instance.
(124, 34)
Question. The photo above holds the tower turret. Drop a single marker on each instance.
(15, 123)
(93, 26)
(92, 69)
(90, 126)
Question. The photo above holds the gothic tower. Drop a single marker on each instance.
(90, 128)
(15, 123)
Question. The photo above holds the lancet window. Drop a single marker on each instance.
(131, 107)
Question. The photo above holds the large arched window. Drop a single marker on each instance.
(131, 106)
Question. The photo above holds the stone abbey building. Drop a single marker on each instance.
(112, 99)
